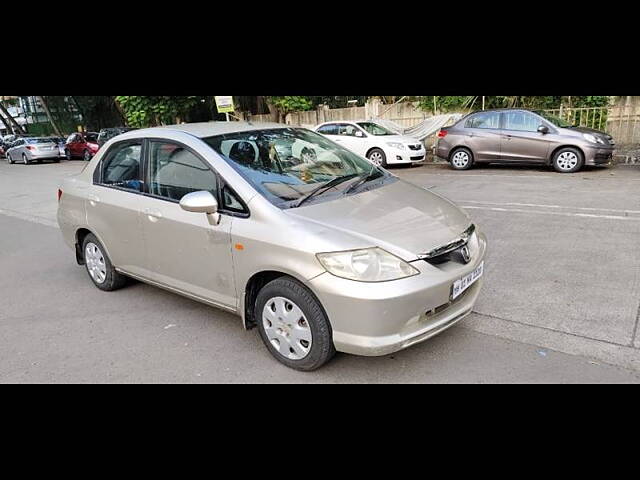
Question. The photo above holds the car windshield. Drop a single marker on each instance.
(557, 121)
(287, 164)
(375, 129)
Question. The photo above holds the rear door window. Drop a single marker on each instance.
(121, 167)
(331, 129)
(484, 120)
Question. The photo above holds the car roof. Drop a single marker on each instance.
(210, 129)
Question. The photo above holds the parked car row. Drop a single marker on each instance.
(27, 149)
(489, 136)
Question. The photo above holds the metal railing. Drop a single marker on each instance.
(592, 117)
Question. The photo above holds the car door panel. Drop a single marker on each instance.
(187, 251)
(184, 250)
(520, 139)
(485, 143)
(114, 216)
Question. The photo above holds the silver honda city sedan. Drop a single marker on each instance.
(314, 245)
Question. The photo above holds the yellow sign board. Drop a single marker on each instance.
(224, 104)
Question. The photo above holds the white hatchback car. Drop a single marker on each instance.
(380, 145)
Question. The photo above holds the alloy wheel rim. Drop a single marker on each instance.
(287, 328)
(567, 160)
(376, 158)
(24, 159)
(94, 259)
(460, 159)
(87, 157)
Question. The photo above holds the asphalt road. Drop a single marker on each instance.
(557, 281)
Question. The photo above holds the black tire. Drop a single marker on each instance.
(9, 159)
(67, 154)
(457, 159)
(25, 160)
(86, 156)
(567, 160)
(375, 152)
(322, 348)
(113, 280)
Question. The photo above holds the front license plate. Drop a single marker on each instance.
(465, 282)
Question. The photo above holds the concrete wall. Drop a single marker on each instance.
(623, 121)
(406, 114)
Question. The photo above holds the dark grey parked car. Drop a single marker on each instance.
(522, 136)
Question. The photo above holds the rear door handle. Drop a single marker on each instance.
(153, 215)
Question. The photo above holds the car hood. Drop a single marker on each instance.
(398, 138)
(580, 130)
(400, 217)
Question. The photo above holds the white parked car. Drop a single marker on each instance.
(377, 143)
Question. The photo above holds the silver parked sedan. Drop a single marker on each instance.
(32, 149)
(314, 245)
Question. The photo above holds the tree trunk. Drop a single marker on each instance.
(46, 110)
(11, 119)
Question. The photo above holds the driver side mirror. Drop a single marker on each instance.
(543, 129)
(201, 202)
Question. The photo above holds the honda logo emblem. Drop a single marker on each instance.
(466, 256)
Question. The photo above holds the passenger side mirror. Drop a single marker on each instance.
(543, 129)
(201, 202)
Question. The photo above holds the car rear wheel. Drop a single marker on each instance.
(9, 159)
(25, 160)
(99, 266)
(378, 157)
(86, 156)
(568, 160)
(461, 159)
(293, 325)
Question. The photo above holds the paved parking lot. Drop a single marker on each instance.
(560, 301)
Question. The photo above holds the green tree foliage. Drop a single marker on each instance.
(289, 104)
(146, 111)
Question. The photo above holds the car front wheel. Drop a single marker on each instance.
(568, 160)
(67, 154)
(87, 156)
(378, 157)
(293, 325)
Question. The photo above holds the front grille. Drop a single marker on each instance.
(415, 147)
(417, 158)
(443, 250)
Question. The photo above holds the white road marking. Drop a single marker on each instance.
(515, 204)
(542, 212)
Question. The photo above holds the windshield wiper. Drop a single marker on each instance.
(373, 174)
(324, 187)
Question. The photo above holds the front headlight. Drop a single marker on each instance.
(592, 138)
(366, 265)
(399, 146)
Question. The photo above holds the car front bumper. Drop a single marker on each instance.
(375, 319)
(395, 155)
(598, 155)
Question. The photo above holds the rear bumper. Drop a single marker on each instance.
(375, 319)
(53, 154)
